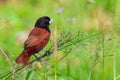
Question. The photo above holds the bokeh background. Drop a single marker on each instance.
(96, 58)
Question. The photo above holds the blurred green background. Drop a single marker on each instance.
(97, 58)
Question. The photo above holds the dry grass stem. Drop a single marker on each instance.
(55, 41)
(6, 57)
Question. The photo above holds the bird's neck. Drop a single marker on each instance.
(46, 28)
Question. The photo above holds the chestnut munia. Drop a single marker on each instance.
(36, 41)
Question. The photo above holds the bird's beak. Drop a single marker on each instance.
(51, 20)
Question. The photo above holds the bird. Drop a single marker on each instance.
(36, 41)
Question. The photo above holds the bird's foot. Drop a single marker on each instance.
(47, 53)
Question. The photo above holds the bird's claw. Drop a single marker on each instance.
(47, 53)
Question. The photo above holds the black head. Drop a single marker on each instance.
(43, 22)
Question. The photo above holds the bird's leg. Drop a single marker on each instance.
(35, 56)
(47, 52)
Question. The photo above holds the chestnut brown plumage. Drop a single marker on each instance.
(36, 41)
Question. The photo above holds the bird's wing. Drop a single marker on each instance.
(36, 37)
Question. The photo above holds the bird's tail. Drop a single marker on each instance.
(23, 58)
